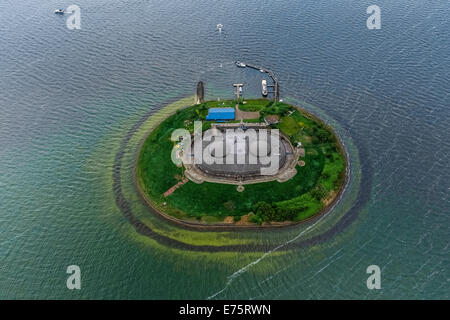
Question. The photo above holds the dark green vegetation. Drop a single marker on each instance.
(307, 193)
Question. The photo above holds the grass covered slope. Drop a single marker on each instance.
(307, 193)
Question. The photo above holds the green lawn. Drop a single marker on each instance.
(288, 126)
(323, 172)
(257, 120)
(221, 104)
(254, 105)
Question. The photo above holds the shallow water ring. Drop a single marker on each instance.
(342, 223)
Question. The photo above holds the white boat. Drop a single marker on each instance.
(59, 11)
(240, 64)
(264, 87)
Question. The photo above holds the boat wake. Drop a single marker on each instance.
(244, 269)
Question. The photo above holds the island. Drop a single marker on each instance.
(308, 176)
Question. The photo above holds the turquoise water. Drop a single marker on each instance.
(69, 98)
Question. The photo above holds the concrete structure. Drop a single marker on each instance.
(271, 119)
(200, 96)
(244, 172)
(238, 87)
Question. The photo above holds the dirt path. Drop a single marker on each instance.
(175, 187)
(241, 115)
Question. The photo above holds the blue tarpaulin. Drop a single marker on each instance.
(220, 114)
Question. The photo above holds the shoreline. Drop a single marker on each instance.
(222, 226)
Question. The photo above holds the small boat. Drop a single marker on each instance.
(264, 88)
(59, 11)
(240, 64)
(220, 26)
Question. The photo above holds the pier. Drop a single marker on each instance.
(275, 87)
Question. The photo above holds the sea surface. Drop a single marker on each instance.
(68, 98)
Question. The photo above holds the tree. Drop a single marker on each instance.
(284, 214)
(265, 211)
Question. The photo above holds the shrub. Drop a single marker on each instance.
(319, 192)
(265, 211)
(269, 212)
(322, 135)
(284, 214)
(256, 219)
